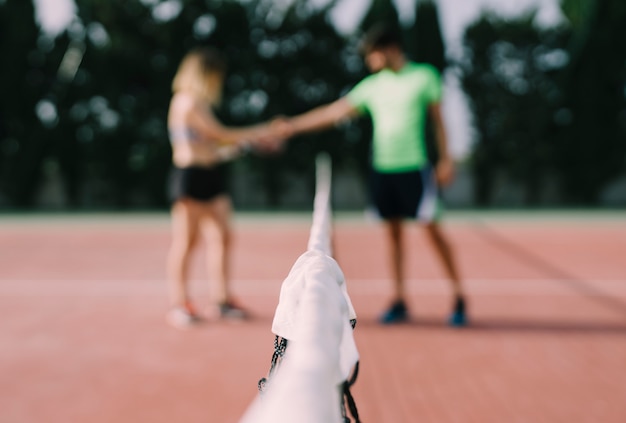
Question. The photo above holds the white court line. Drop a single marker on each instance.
(270, 288)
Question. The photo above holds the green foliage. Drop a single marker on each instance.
(577, 12)
(549, 105)
(424, 39)
(512, 99)
(26, 75)
(107, 140)
(593, 146)
(381, 11)
(424, 43)
(300, 63)
(546, 105)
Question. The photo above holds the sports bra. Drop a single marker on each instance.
(183, 134)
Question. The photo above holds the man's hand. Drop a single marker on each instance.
(281, 127)
(272, 135)
(445, 171)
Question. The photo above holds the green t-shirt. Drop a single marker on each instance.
(397, 103)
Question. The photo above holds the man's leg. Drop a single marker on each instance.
(445, 253)
(397, 311)
(396, 257)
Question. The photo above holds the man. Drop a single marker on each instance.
(399, 96)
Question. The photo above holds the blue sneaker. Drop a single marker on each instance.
(458, 318)
(397, 313)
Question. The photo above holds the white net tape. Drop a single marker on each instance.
(320, 238)
(313, 314)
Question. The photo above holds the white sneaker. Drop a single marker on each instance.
(182, 318)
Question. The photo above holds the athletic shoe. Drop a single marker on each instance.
(182, 317)
(458, 318)
(397, 313)
(230, 310)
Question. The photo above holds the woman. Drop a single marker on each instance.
(201, 203)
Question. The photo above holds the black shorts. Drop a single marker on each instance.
(405, 195)
(197, 183)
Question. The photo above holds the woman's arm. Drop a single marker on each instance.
(211, 129)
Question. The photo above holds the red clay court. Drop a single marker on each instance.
(83, 336)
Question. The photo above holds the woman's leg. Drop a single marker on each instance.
(185, 223)
(398, 311)
(216, 229)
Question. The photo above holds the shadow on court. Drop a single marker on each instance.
(505, 326)
(551, 270)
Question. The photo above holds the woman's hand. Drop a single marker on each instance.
(274, 134)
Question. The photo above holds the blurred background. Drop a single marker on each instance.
(535, 97)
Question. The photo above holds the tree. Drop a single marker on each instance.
(548, 103)
(508, 73)
(27, 80)
(105, 130)
(592, 143)
(424, 39)
(381, 11)
(424, 44)
(302, 62)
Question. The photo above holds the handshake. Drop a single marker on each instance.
(271, 136)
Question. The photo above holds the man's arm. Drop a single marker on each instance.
(445, 166)
(322, 117)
